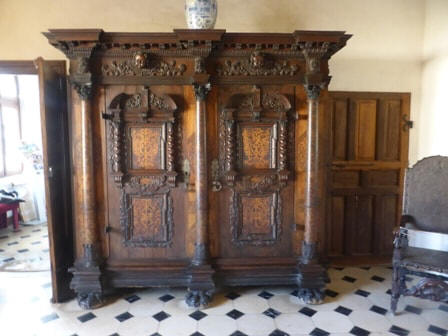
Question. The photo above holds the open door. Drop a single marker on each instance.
(56, 153)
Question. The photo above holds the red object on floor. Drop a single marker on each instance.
(4, 208)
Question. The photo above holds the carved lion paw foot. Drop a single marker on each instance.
(198, 298)
(311, 296)
(90, 300)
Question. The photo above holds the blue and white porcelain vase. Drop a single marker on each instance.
(201, 14)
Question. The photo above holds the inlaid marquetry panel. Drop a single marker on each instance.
(145, 147)
(256, 219)
(149, 220)
(256, 146)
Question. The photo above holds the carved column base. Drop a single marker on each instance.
(201, 286)
(312, 276)
(87, 279)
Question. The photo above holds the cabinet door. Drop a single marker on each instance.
(369, 137)
(144, 201)
(255, 154)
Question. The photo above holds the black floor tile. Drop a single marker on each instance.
(198, 315)
(359, 331)
(166, 297)
(362, 293)
(319, 332)
(86, 317)
(160, 316)
(23, 250)
(444, 308)
(235, 314)
(307, 311)
(13, 243)
(378, 310)
(265, 295)
(413, 309)
(238, 333)
(8, 259)
(331, 293)
(349, 279)
(278, 332)
(123, 317)
(232, 295)
(197, 333)
(377, 278)
(132, 298)
(398, 331)
(437, 330)
(343, 310)
(271, 313)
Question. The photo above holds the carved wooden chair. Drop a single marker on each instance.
(421, 243)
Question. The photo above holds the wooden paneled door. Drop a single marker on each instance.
(369, 154)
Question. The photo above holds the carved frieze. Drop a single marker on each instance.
(141, 66)
(257, 65)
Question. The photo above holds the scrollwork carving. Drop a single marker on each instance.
(257, 65)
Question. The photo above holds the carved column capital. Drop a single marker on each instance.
(314, 52)
(201, 91)
(81, 78)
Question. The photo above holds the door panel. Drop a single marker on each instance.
(256, 151)
(56, 153)
(369, 156)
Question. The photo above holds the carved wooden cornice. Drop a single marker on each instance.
(244, 58)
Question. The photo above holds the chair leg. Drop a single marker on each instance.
(15, 213)
(398, 285)
(3, 221)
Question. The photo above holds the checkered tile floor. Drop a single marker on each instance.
(24, 250)
(357, 304)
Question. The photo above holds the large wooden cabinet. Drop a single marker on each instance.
(199, 159)
(369, 153)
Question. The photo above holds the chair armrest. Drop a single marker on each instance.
(401, 238)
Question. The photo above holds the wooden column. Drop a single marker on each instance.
(312, 275)
(201, 253)
(201, 285)
(87, 270)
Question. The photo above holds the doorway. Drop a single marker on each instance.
(35, 174)
(23, 221)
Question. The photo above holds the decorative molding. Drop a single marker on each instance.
(257, 64)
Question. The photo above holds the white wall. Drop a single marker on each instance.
(433, 116)
(384, 54)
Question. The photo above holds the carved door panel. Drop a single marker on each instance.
(370, 133)
(141, 135)
(255, 153)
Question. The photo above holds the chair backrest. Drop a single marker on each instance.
(426, 194)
